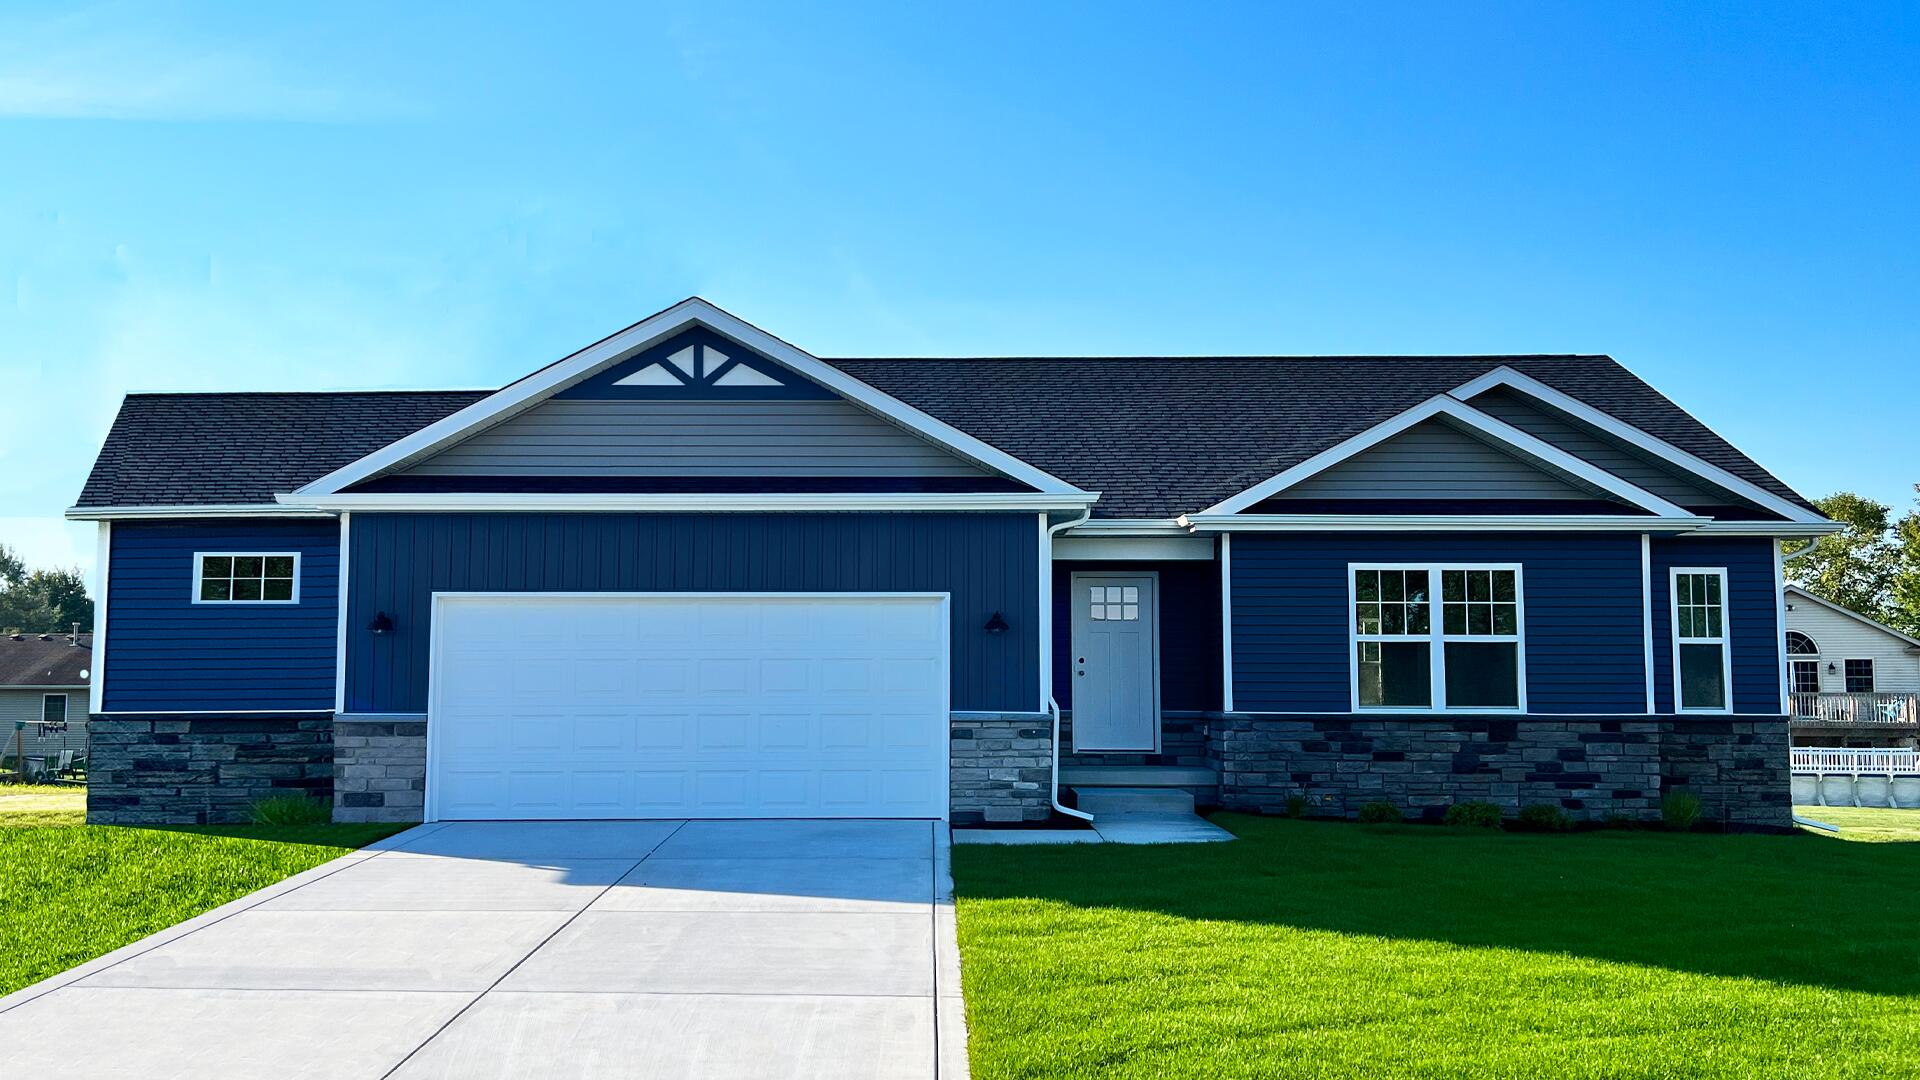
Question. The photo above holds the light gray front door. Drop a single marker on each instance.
(1116, 662)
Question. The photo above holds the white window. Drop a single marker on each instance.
(246, 577)
(53, 709)
(1806, 676)
(1702, 663)
(1120, 603)
(1470, 657)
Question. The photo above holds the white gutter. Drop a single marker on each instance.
(1439, 523)
(1053, 706)
(193, 510)
(723, 502)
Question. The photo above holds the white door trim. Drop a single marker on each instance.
(1073, 621)
(431, 810)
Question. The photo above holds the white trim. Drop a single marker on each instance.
(200, 510)
(1780, 630)
(1873, 675)
(340, 632)
(66, 706)
(103, 569)
(199, 569)
(1105, 527)
(1848, 612)
(1789, 530)
(1074, 647)
(1045, 614)
(1506, 376)
(723, 502)
(218, 712)
(1725, 640)
(1185, 547)
(431, 809)
(1646, 613)
(1437, 639)
(1226, 622)
(649, 331)
(1437, 523)
(1441, 405)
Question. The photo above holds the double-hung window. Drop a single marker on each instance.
(1859, 676)
(1702, 662)
(246, 577)
(53, 708)
(1458, 648)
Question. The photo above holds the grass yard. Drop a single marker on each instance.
(1316, 949)
(70, 891)
(1870, 823)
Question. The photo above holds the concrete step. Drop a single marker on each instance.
(1138, 776)
(1103, 801)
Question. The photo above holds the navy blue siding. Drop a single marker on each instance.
(1189, 630)
(1752, 616)
(167, 654)
(1584, 627)
(989, 562)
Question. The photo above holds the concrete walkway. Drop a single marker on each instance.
(562, 949)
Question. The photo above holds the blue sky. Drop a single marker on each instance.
(343, 196)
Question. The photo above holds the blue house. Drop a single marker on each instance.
(694, 571)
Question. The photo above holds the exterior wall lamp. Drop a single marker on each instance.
(381, 624)
(996, 624)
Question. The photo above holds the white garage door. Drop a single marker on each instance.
(614, 706)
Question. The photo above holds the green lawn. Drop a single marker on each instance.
(1874, 824)
(1314, 949)
(70, 892)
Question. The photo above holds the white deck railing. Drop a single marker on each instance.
(1881, 708)
(1823, 761)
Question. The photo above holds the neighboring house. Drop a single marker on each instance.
(692, 570)
(44, 687)
(1855, 682)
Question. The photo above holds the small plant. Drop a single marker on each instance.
(1298, 805)
(1475, 814)
(1618, 821)
(1680, 810)
(290, 810)
(1544, 817)
(1381, 813)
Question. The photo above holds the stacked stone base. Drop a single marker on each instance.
(203, 770)
(1594, 768)
(1002, 767)
(380, 768)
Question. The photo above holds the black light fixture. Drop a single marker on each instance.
(996, 624)
(1830, 668)
(381, 624)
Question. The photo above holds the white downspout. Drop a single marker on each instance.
(1046, 660)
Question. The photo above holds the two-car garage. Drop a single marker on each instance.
(620, 705)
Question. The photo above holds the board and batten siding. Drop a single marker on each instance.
(1752, 594)
(167, 654)
(637, 437)
(988, 562)
(1433, 460)
(1583, 624)
(1589, 445)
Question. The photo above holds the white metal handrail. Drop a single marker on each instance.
(1878, 762)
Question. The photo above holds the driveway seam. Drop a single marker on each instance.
(437, 1032)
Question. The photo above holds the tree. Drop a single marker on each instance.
(41, 601)
(1872, 566)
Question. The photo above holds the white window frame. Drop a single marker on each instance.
(66, 707)
(1437, 638)
(199, 570)
(1725, 640)
(1873, 674)
(1793, 670)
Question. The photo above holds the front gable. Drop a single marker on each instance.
(696, 365)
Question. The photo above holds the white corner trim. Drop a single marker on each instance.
(649, 331)
(1619, 429)
(1443, 405)
(1226, 622)
(677, 502)
(340, 632)
(103, 579)
(1780, 627)
(1802, 594)
(1223, 523)
(1646, 613)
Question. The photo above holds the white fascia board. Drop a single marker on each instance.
(1799, 593)
(1619, 429)
(1785, 530)
(1442, 405)
(1184, 547)
(1212, 523)
(537, 386)
(727, 502)
(277, 509)
(1129, 527)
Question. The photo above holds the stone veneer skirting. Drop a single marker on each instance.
(1594, 768)
(380, 768)
(203, 770)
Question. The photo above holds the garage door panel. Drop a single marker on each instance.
(711, 706)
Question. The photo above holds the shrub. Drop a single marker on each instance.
(1479, 815)
(1544, 817)
(1680, 810)
(290, 810)
(1298, 805)
(1381, 813)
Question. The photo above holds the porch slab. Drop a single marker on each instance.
(1026, 836)
(1158, 829)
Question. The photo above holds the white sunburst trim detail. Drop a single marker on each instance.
(541, 384)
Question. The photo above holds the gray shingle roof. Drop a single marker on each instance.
(44, 660)
(1157, 435)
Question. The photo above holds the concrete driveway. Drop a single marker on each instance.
(553, 949)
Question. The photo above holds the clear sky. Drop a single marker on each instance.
(274, 196)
